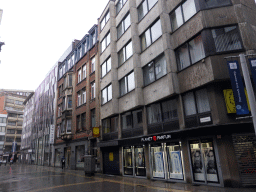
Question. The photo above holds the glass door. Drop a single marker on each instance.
(203, 161)
(174, 159)
(140, 166)
(128, 161)
(157, 161)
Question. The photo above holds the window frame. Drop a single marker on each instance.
(84, 71)
(105, 19)
(122, 5)
(124, 50)
(93, 90)
(122, 24)
(106, 63)
(93, 63)
(79, 75)
(148, 9)
(107, 94)
(105, 41)
(125, 78)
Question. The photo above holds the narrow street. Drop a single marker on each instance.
(38, 178)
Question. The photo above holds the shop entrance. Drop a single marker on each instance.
(203, 161)
(111, 161)
(134, 161)
(67, 156)
(166, 161)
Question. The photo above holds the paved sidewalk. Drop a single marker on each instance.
(20, 177)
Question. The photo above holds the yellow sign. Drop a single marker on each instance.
(230, 101)
(96, 131)
(111, 156)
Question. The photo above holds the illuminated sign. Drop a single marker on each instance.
(96, 131)
(155, 138)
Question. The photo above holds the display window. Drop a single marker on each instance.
(140, 166)
(80, 152)
(174, 159)
(203, 161)
(128, 161)
(157, 161)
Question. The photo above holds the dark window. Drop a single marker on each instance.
(127, 84)
(144, 7)
(93, 122)
(123, 26)
(83, 121)
(119, 5)
(125, 53)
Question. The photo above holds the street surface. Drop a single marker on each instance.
(35, 178)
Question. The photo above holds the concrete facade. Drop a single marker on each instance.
(143, 121)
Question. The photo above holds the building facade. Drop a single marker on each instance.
(164, 84)
(12, 118)
(77, 103)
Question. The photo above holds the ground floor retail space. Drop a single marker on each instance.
(207, 160)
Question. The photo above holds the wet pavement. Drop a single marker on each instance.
(21, 177)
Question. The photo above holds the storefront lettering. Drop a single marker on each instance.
(155, 138)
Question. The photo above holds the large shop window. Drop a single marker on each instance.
(80, 152)
(123, 26)
(190, 53)
(203, 161)
(157, 161)
(125, 53)
(151, 35)
(154, 70)
(182, 13)
(57, 157)
(145, 7)
(106, 94)
(132, 123)
(162, 116)
(134, 161)
(127, 84)
(110, 128)
(197, 108)
(226, 39)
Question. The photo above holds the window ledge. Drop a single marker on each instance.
(126, 94)
(154, 81)
(106, 102)
(84, 104)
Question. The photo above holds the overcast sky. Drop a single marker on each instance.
(36, 34)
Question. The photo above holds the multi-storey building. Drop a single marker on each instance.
(163, 74)
(39, 122)
(77, 104)
(12, 106)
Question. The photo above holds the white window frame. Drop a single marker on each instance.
(84, 71)
(104, 20)
(79, 76)
(122, 25)
(93, 90)
(124, 50)
(106, 67)
(108, 91)
(105, 42)
(93, 64)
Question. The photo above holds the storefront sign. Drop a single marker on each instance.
(238, 88)
(205, 119)
(155, 138)
(51, 139)
(96, 131)
(252, 62)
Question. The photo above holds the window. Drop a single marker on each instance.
(151, 35)
(19, 131)
(119, 5)
(12, 123)
(154, 70)
(10, 131)
(93, 122)
(93, 90)
(19, 123)
(78, 123)
(104, 20)
(79, 77)
(1, 138)
(85, 47)
(110, 125)
(69, 100)
(79, 53)
(215, 3)
(196, 102)
(12, 115)
(83, 121)
(183, 13)
(144, 7)
(68, 128)
(68, 81)
(127, 84)
(9, 139)
(63, 103)
(2, 129)
(92, 64)
(79, 102)
(190, 53)
(83, 96)
(18, 102)
(125, 53)
(226, 39)
(2, 120)
(106, 67)
(93, 38)
(105, 42)
(9, 101)
(123, 26)
(154, 113)
(106, 94)
(132, 119)
(84, 71)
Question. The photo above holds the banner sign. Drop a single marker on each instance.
(14, 145)
(51, 139)
(238, 88)
(252, 62)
